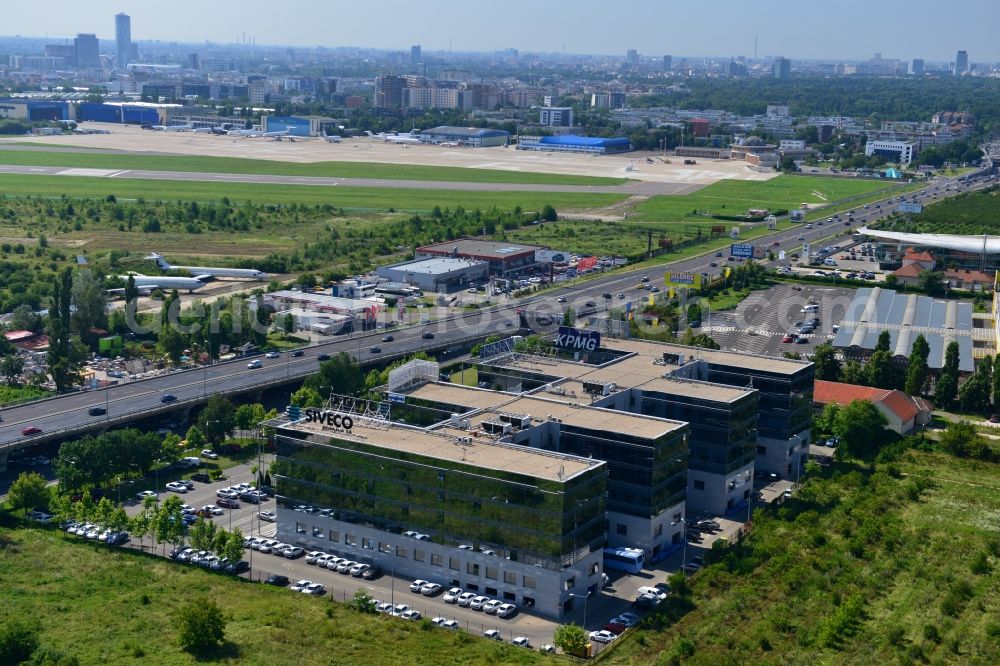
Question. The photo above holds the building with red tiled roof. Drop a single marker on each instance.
(902, 412)
(909, 274)
(912, 256)
(968, 279)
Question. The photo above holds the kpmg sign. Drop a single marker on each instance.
(575, 339)
(327, 418)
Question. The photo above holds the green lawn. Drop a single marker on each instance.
(109, 606)
(734, 197)
(274, 168)
(348, 198)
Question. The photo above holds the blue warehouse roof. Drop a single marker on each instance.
(577, 140)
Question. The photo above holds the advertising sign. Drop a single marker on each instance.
(327, 418)
(905, 207)
(573, 338)
(742, 250)
(551, 257)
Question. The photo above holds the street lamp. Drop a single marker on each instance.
(392, 576)
(685, 546)
(584, 597)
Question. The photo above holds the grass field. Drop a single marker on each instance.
(348, 198)
(107, 606)
(867, 564)
(319, 169)
(734, 197)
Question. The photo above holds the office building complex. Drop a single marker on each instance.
(917, 67)
(782, 68)
(555, 116)
(961, 63)
(518, 524)
(88, 51)
(123, 41)
(415, 57)
(899, 152)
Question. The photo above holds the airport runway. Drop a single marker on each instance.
(633, 188)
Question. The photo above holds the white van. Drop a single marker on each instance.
(830, 261)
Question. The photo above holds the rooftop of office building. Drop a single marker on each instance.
(449, 445)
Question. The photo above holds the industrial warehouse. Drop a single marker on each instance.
(514, 489)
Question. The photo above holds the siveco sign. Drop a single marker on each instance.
(571, 338)
(334, 419)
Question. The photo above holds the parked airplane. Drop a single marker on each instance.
(204, 130)
(147, 283)
(206, 272)
(330, 138)
(178, 128)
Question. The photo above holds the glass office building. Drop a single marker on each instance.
(519, 525)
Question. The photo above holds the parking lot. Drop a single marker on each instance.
(762, 320)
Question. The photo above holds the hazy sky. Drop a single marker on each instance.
(845, 29)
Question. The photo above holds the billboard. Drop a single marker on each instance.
(743, 250)
(575, 339)
(683, 280)
(551, 257)
(905, 207)
(586, 264)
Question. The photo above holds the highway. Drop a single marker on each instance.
(67, 414)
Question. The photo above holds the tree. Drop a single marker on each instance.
(340, 374)
(248, 416)
(917, 370)
(171, 343)
(91, 302)
(306, 397)
(958, 438)
(23, 318)
(29, 491)
(881, 371)
(823, 423)
(363, 602)
(853, 373)
(195, 438)
(216, 420)
(201, 626)
(996, 384)
(860, 428)
(18, 641)
(827, 365)
(883, 342)
(932, 282)
(232, 547)
(974, 396)
(202, 534)
(548, 214)
(131, 291)
(63, 357)
(168, 523)
(946, 387)
(11, 367)
(571, 638)
(569, 317)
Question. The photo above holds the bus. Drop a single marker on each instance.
(624, 559)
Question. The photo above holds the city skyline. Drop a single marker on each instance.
(726, 28)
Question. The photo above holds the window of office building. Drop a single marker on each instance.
(418, 555)
(401, 551)
(510, 577)
(350, 540)
(761, 450)
(529, 581)
(453, 563)
(436, 559)
(317, 532)
(334, 536)
(569, 583)
(699, 484)
(472, 568)
(491, 572)
(300, 528)
(368, 544)
(384, 547)
(658, 531)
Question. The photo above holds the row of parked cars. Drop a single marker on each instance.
(275, 547)
(96, 532)
(343, 565)
(207, 560)
(460, 597)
